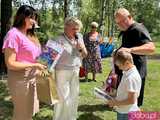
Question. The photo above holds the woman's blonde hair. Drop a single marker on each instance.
(94, 24)
(73, 21)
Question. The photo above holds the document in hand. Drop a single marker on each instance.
(50, 54)
(101, 94)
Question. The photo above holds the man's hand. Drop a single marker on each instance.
(125, 49)
(145, 49)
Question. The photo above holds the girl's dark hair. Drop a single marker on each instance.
(23, 12)
(31, 31)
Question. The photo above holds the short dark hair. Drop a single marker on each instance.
(23, 12)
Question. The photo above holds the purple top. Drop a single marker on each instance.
(26, 50)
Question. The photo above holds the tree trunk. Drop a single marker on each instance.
(6, 13)
(65, 8)
(112, 18)
(103, 12)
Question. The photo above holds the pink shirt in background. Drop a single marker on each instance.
(26, 50)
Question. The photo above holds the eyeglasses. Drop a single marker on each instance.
(93, 27)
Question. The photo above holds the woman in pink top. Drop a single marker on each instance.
(20, 57)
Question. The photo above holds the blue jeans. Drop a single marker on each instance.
(122, 116)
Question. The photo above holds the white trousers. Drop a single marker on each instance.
(68, 89)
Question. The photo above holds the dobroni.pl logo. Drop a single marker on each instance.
(144, 115)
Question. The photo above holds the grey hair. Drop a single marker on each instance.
(73, 21)
(122, 11)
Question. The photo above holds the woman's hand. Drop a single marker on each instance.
(80, 46)
(82, 49)
(39, 66)
(42, 73)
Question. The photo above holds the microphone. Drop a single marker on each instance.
(77, 37)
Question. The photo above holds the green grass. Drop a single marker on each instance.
(91, 108)
(152, 91)
(157, 44)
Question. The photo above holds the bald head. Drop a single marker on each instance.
(122, 11)
(123, 19)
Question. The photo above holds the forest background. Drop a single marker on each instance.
(51, 20)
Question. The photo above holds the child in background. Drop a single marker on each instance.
(129, 87)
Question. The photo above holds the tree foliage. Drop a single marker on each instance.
(53, 12)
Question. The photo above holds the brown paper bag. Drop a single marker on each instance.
(46, 88)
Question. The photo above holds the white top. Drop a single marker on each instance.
(70, 58)
(130, 82)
